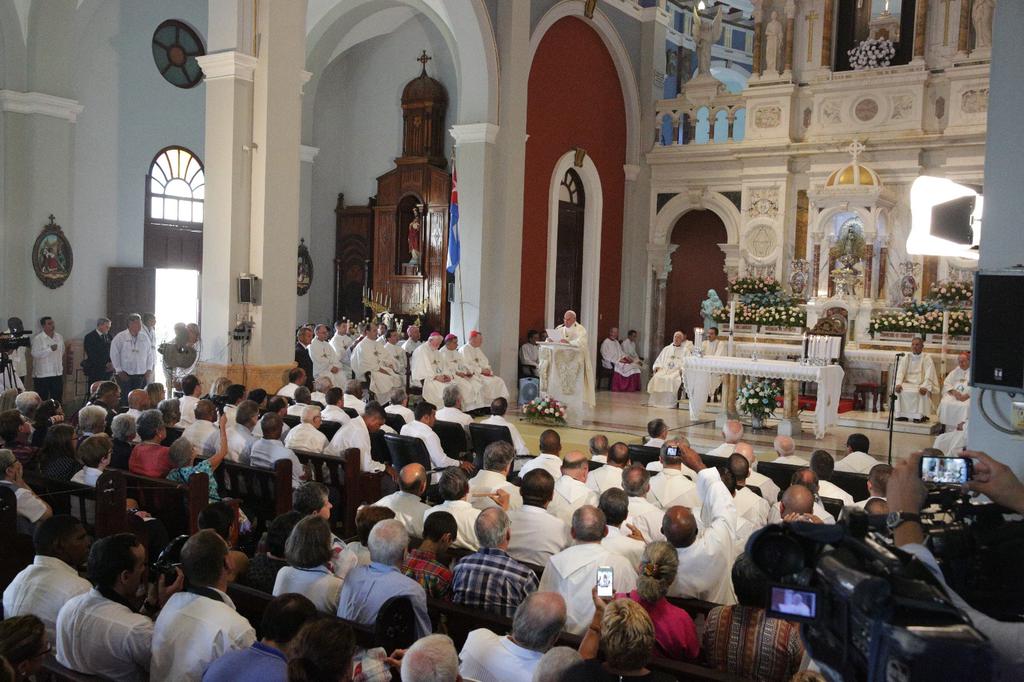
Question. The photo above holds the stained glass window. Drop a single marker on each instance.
(176, 187)
(175, 48)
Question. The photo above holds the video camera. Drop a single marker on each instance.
(868, 611)
(15, 339)
(168, 562)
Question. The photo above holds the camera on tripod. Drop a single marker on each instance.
(13, 340)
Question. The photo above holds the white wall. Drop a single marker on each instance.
(357, 125)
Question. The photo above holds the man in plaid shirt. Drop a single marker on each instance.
(490, 579)
(421, 564)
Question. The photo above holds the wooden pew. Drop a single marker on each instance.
(781, 474)
(855, 484)
(107, 500)
(354, 487)
(177, 505)
(53, 671)
(265, 493)
(17, 547)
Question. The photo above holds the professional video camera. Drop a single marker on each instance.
(868, 611)
(15, 339)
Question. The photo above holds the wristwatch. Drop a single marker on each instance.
(893, 520)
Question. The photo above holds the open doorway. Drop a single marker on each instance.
(177, 300)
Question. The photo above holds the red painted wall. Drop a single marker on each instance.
(574, 100)
(697, 265)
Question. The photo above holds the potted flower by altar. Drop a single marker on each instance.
(545, 410)
(757, 398)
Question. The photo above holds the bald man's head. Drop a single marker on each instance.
(576, 465)
(413, 479)
(747, 450)
(806, 478)
(784, 446)
(138, 399)
(679, 527)
(733, 431)
(798, 499)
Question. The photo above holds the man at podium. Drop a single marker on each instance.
(572, 333)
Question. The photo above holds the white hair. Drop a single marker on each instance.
(553, 665)
(387, 542)
(431, 659)
(92, 419)
(309, 413)
(27, 403)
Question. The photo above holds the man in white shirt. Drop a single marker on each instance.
(732, 431)
(878, 484)
(240, 436)
(356, 434)
(657, 430)
(307, 435)
(621, 539)
(320, 387)
(452, 410)
(823, 465)
(769, 490)
(491, 386)
(857, 460)
(536, 535)
(785, 448)
(423, 428)
(269, 450)
(642, 514)
(303, 397)
(296, 378)
(916, 383)
(499, 406)
(498, 458)
(668, 373)
(598, 446)
(191, 388)
(48, 362)
(572, 572)
(610, 475)
(749, 505)
(799, 503)
(529, 354)
(399, 404)
(956, 394)
(341, 342)
(454, 489)
(705, 557)
(624, 368)
(571, 491)
(549, 459)
(31, 508)
(407, 502)
(200, 625)
(354, 396)
(204, 424)
(334, 399)
(412, 342)
(489, 657)
(101, 632)
(429, 370)
(42, 588)
(131, 355)
(672, 487)
(149, 329)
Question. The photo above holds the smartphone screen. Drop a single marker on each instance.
(604, 582)
(672, 452)
(947, 470)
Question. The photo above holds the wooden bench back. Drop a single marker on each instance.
(17, 547)
(264, 492)
(177, 505)
(353, 487)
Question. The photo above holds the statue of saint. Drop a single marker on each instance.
(772, 42)
(705, 34)
(414, 237)
(708, 306)
(981, 17)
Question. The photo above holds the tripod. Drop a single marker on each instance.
(892, 402)
(8, 377)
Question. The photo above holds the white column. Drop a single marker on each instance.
(307, 155)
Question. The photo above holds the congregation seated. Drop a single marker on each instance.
(204, 424)
(598, 448)
(498, 459)
(750, 506)
(308, 551)
(785, 448)
(42, 588)
(156, 392)
(799, 502)
(123, 434)
(185, 465)
(823, 466)
(732, 431)
(15, 431)
(489, 657)
(657, 432)
(191, 392)
(571, 491)
(92, 419)
(356, 434)
(22, 638)
(324, 649)
(609, 475)
(398, 404)
(234, 396)
(490, 579)
(626, 636)
(150, 458)
(537, 535)
(857, 459)
(423, 428)
(334, 402)
(313, 499)
(170, 408)
(769, 489)
(499, 406)
(279, 406)
(264, 566)
(878, 483)
(357, 552)
(225, 519)
(636, 482)
(673, 485)
(367, 588)
(94, 453)
(452, 410)
(138, 402)
(454, 490)
(406, 502)
(354, 396)
(30, 507)
(296, 379)
(307, 435)
(621, 538)
(421, 564)
(549, 459)
(303, 397)
(320, 387)
(56, 458)
(269, 449)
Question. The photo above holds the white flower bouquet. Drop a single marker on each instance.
(757, 397)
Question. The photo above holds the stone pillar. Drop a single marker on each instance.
(307, 154)
(920, 29)
(253, 118)
(790, 35)
(826, 34)
(659, 265)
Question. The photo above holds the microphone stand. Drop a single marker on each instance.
(892, 402)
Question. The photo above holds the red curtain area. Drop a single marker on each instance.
(697, 265)
(574, 100)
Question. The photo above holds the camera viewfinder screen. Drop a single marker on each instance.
(793, 603)
(954, 470)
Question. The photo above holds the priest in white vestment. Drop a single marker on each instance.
(711, 347)
(399, 360)
(412, 341)
(369, 355)
(462, 376)
(916, 383)
(325, 359)
(956, 394)
(574, 334)
(625, 370)
(342, 344)
(429, 370)
(491, 386)
(668, 371)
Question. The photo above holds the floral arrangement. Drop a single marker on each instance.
(545, 410)
(782, 316)
(754, 285)
(871, 54)
(757, 397)
(951, 293)
(921, 319)
(960, 323)
(745, 314)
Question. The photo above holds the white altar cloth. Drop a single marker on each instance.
(828, 378)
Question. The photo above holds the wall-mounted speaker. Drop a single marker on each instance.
(249, 289)
(997, 344)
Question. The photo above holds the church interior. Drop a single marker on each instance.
(658, 222)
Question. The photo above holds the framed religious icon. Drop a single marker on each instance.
(305, 272)
(51, 256)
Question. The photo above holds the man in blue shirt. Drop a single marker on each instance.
(367, 587)
(265, 660)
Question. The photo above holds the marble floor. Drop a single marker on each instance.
(624, 416)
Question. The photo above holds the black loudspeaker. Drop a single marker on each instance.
(997, 344)
(249, 289)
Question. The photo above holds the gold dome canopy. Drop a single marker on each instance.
(853, 174)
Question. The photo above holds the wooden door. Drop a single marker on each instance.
(129, 290)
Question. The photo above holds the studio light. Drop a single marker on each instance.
(945, 218)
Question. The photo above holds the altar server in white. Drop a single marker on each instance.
(710, 347)
(428, 370)
(342, 343)
(956, 394)
(325, 359)
(369, 355)
(574, 334)
(916, 383)
(491, 386)
(668, 371)
(455, 366)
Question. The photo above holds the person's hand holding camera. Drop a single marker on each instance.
(906, 493)
(996, 480)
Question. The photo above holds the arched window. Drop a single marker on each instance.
(175, 189)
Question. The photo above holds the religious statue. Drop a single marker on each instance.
(414, 237)
(981, 17)
(705, 34)
(772, 43)
(708, 306)
(849, 250)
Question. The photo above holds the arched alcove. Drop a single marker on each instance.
(697, 265)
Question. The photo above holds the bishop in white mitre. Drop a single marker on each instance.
(469, 385)
(491, 387)
(428, 370)
(668, 371)
(573, 334)
(956, 394)
(325, 359)
(625, 368)
(713, 346)
(916, 383)
(368, 355)
(341, 342)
